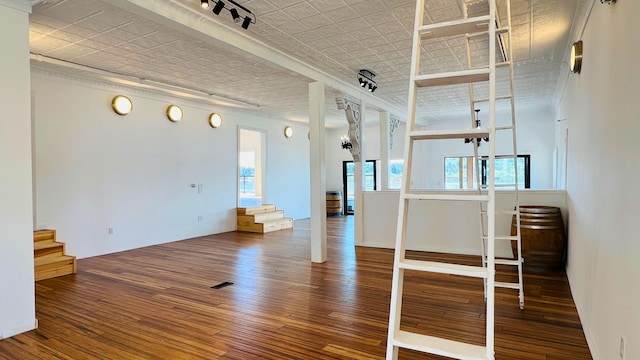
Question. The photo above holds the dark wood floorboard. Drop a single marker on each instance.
(157, 303)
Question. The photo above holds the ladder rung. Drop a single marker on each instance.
(503, 97)
(507, 262)
(507, 285)
(502, 237)
(501, 212)
(441, 196)
(439, 346)
(444, 268)
(498, 186)
(504, 127)
(450, 134)
(499, 31)
(503, 64)
(452, 78)
(456, 27)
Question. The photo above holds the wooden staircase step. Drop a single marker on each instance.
(44, 235)
(49, 267)
(256, 209)
(47, 249)
(267, 226)
(261, 217)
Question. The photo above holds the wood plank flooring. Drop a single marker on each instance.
(157, 303)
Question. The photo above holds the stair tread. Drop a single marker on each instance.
(255, 209)
(455, 27)
(52, 260)
(46, 245)
(439, 346)
(452, 78)
(444, 268)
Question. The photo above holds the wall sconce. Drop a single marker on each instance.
(478, 140)
(346, 143)
(365, 78)
(122, 105)
(288, 131)
(246, 16)
(174, 113)
(575, 61)
(215, 120)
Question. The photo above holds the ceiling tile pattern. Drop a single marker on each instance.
(338, 37)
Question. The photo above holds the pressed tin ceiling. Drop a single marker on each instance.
(335, 37)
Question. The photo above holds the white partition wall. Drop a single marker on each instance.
(17, 302)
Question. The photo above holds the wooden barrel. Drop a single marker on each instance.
(334, 203)
(543, 239)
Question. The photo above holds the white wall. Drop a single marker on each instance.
(17, 302)
(97, 170)
(535, 137)
(600, 106)
(445, 226)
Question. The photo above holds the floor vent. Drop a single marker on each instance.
(221, 285)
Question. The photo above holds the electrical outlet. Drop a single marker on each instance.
(110, 231)
(621, 348)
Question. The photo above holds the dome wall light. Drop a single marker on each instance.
(215, 120)
(174, 113)
(288, 132)
(365, 77)
(575, 60)
(122, 105)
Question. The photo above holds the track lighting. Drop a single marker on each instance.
(235, 15)
(219, 6)
(365, 77)
(239, 13)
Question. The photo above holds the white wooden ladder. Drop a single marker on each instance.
(469, 26)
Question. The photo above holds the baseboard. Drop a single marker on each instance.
(7, 333)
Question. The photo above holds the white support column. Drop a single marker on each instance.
(17, 303)
(358, 181)
(385, 134)
(318, 173)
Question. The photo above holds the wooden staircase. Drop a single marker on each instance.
(49, 255)
(262, 219)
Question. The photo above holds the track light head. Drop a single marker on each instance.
(246, 22)
(372, 87)
(204, 4)
(235, 15)
(218, 8)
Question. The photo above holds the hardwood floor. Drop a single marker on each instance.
(157, 303)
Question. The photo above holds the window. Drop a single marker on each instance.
(459, 172)
(348, 173)
(395, 173)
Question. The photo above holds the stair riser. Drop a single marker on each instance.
(259, 218)
(285, 224)
(44, 235)
(50, 252)
(53, 270)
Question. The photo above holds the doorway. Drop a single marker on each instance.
(251, 167)
(348, 186)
